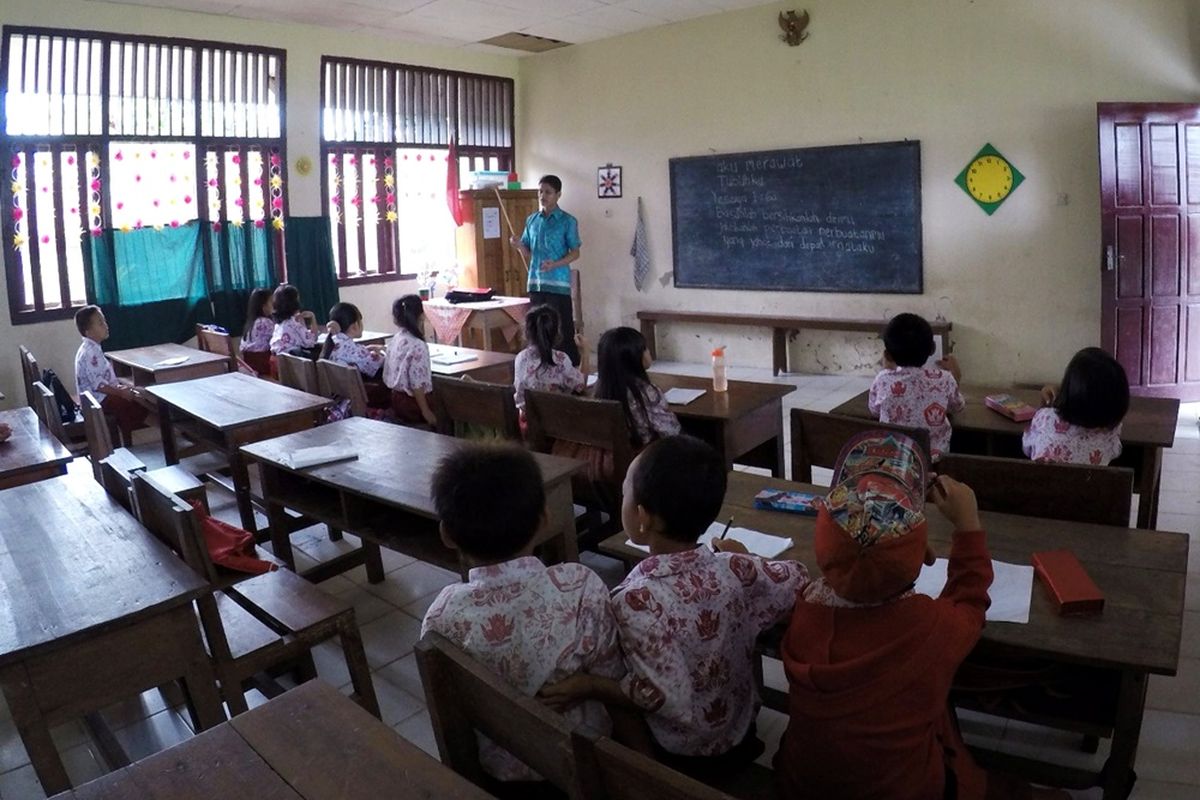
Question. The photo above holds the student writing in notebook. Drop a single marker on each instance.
(1081, 423)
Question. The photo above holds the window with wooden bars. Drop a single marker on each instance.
(109, 132)
(386, 133)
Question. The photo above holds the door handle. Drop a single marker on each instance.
(1109, 258)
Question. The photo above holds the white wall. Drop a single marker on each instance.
(1021, 287)
(55, 343)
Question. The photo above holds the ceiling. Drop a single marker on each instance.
(463, 23)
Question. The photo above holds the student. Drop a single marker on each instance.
(542, 367)
(688, 617)
(258, 330)
(94, 373)
(530, 623)
(295, 330)
(407, 371)
(1082, 421)
(344, 326)
(907, 392)
(869, 663)
(622, 360)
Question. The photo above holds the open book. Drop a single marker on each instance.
(760, 544)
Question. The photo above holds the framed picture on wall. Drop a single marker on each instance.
(608, 182)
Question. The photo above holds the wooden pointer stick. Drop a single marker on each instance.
(508, 221)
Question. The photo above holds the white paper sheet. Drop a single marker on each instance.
(324, 454)
(171, 362)
(1011, 590)
(591, 379)
(760, 544)
(681, 397)
(491, 223)
(449, 359)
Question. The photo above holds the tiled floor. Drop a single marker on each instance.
(389, 615)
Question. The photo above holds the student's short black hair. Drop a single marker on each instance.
(1094, 391)
(554, 181)
(84, 317)
(287, 302)
(681, 480)
(490, 499)
(908, 340)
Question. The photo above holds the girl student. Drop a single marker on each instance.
(407, 371)
(622, 360)
(258, 330)
(344, 326)
(542, 366)
(295, 330)
(1081, 423)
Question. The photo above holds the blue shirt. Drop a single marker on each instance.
(549, 238)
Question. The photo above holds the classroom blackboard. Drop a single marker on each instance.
(816, 219)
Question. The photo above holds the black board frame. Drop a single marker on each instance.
(915, 144)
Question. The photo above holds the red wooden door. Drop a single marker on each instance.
(1150, 244)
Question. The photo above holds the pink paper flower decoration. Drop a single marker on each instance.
(187, 198)
(258, 223)
(174, 223)
(97, 232)
(46, 239)
(118, 156)
(277, 202)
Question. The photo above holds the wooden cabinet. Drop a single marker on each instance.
(492, 261)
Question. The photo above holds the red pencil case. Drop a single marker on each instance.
(1071, 589)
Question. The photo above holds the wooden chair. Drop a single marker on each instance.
(489, 405)
(30, 374)
(344, 382)
(298, 373)
(254, 624)
(1073, 492)
(608, 770)
(99, 440)
(818, 439)
(599, 427)
(463, 697)
(211, 341)
(47, 411)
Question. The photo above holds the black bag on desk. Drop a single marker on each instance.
(68, 410)
(470, 296)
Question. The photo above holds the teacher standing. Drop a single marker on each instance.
(551, 243)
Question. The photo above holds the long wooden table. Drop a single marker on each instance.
(32, 453)
(1148, 428)
(744, 424)
(93, 609)
(1141, 573)
(310, 743)
(144, 365)
(229, 410)
(384, 495)
(485, 365)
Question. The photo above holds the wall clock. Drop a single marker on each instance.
(608, 181)
(989, 179)
(304, 165)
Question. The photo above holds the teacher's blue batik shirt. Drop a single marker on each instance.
(549, 238)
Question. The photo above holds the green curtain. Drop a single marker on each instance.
(150, 283)
(241, 258)
(310, 263)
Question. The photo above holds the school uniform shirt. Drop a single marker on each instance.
(347, 351)
(258, 338)
(688, 624)
(407, 367)
(292, 334)
(549, 237)
(1050, 438)
(92, 370)
(656, 421)
(917, 397)
(530, 373)
(532, 625)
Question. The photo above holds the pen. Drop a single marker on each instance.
(726, 531)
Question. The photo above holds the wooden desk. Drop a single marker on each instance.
(745, 424)
(367, 338)
(228, 411)
(144, 364)
(488, 366)
(95, 610)
(1148, 428)
(32, 453)
(310, 743)
(782, 326)
(384, 495)
(449, 320)
(1142, 575)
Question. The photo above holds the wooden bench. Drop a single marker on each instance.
(781, 327)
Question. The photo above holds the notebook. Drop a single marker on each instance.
(1011, 591)
(450, 359)
(323, 454)
(681, 397)
(760, 544)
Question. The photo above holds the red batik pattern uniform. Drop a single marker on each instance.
(688, 624)
(657, 422)
(530, 373)
(349, 352)
(1050, 438)
(917, 397)
(533, 625)
(407, 366)
(292, 334)
(258, 339)
(92, 369)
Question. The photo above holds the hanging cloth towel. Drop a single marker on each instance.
(640, 250)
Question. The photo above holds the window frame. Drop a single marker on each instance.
(505, 155)
(102, 143)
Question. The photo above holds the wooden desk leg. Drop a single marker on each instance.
(34, 731)
(1118, 769)
(487, 336)
(166, 428)
(240, 472)
(1148, 487)
(277, 518)
(779, 350)
(648, 335)
(373, 561)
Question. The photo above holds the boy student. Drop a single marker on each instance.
(688, 616)
(907, 392)
(551, 243)
(94, 373)
(869, 663)
(530, 623)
